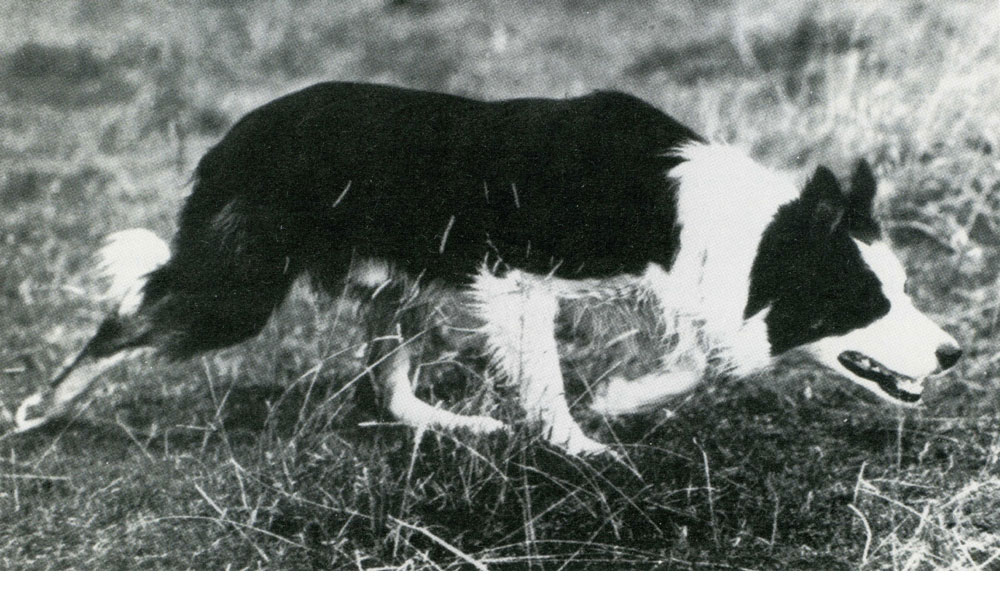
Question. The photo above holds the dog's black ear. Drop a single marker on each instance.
(860, 217)
(863, 187)
(825, 200)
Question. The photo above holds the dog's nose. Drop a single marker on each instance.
(948, 355)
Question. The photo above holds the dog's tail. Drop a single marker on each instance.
(123, 264)
(124, 261)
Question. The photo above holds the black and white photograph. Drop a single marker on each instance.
(512, 285)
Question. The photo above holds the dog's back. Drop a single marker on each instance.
(436, 182)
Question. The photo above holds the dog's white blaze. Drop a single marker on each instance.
(883, 262)
(904, 339)
(710, 278)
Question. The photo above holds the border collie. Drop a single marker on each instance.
(515, 204)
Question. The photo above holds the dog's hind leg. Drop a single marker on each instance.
(69, 386)
(392, 324)
(125, 260)
(220, 287)
(519, 321)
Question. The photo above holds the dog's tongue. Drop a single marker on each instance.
(910, 386)
(896, 385)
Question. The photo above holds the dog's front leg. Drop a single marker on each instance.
(620, 396)
(674, 377)
(519, 317)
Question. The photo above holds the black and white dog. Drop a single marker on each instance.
(515, 204)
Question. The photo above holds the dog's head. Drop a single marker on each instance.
(830, 285)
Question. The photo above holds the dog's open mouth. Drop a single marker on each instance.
(895, 384)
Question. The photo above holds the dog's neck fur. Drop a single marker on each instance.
(708, 283)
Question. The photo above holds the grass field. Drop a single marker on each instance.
(255, 458)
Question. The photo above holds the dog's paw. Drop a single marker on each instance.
(573, 441)
(31, 413)
(585, 447)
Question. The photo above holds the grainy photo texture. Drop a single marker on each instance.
(506, 285)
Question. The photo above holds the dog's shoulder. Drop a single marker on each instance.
(633, 120)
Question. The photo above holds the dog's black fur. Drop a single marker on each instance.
(433, 183)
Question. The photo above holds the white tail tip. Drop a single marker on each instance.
(125, 260)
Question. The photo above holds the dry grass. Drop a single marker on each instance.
(257, 458)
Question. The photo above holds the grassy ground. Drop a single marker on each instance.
(255, 458)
